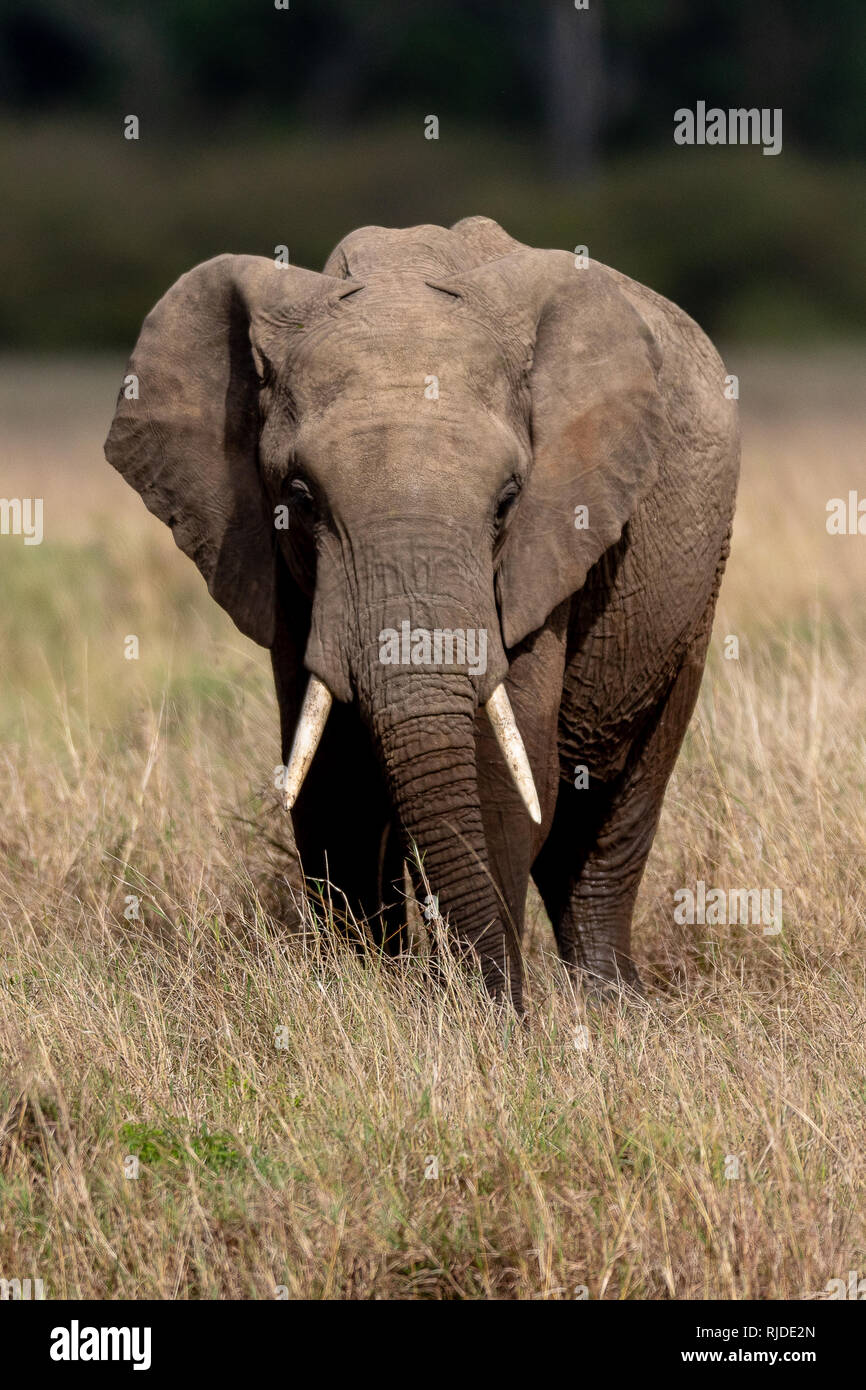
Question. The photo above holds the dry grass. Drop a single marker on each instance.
(303, 1165)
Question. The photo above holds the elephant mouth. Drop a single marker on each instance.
(314, 716)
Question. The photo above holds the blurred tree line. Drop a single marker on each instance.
(557, 120)
(606, 78)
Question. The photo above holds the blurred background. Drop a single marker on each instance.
(261, 126)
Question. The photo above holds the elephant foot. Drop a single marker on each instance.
(617, 984)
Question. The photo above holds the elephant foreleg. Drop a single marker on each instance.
(589, 880)
(342, 819)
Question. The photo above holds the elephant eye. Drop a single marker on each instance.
(507, 497)
(300, 494)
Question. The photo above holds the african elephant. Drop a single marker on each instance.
(476, 499)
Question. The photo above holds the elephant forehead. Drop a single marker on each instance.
(358, 432)
(397, 346)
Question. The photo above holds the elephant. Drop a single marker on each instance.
(476, 499)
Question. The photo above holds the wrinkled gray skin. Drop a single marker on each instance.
(559, 387)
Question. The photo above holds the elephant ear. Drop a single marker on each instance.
(597, 425)
(186, 428)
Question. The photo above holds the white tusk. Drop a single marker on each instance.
(311, 726)
(508, 737)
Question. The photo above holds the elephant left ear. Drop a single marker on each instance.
(597, 428)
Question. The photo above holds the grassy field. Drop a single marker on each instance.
(286, 1101)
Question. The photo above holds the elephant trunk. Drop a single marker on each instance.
(424, 728)
(422, 650)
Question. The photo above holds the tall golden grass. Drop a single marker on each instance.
(308, 1121)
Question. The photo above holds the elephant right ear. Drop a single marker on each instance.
(597, 419)
(186, 428)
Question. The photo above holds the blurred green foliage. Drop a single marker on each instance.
(261, 127)
(750, 246)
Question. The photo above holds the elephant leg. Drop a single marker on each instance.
(342, 820)
(534, 687)
(344, 834)
(591, 867)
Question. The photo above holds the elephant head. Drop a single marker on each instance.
(428, 416)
